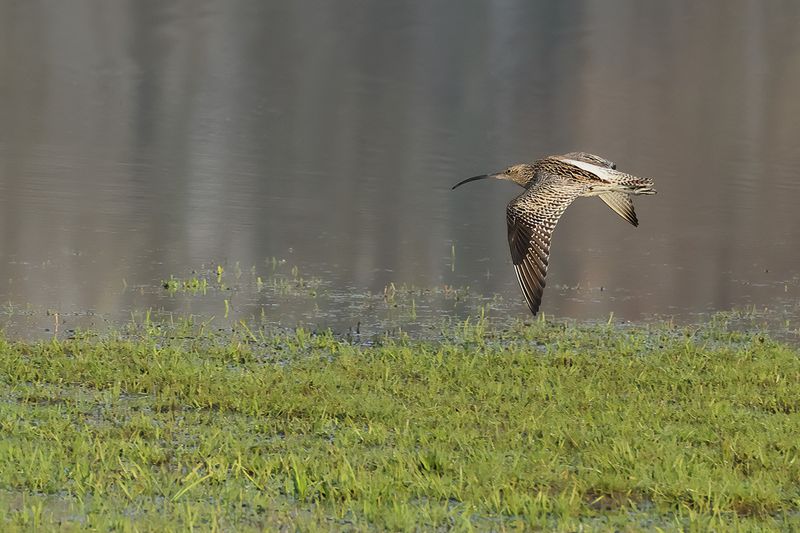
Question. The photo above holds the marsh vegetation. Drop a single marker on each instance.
(168, 424)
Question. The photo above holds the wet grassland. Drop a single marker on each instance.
(174, 424)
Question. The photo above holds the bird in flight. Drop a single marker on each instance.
(551, 184)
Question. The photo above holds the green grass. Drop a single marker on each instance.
(544, 426)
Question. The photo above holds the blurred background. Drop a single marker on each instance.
(143, 139)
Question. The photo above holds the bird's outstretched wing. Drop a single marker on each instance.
(532, 217)
(620, 202)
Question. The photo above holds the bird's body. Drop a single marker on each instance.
(551, 184)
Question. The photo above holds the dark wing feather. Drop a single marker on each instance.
(531, 218)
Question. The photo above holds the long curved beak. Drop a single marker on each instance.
(473, 178)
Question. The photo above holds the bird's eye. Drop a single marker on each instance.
(508, 171)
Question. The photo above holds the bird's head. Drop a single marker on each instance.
(521, 174)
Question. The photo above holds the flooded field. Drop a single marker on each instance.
(178, 425)
(313, 147)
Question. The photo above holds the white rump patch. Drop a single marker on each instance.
(606, 174)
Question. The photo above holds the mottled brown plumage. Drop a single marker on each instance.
(551, 184)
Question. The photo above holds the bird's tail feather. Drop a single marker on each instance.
(632, 184)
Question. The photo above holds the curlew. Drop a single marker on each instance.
(551, 184)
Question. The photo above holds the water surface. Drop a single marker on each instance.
(141, 140)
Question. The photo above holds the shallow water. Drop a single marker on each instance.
(141, 141)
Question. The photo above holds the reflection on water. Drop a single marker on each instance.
(144, 139)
